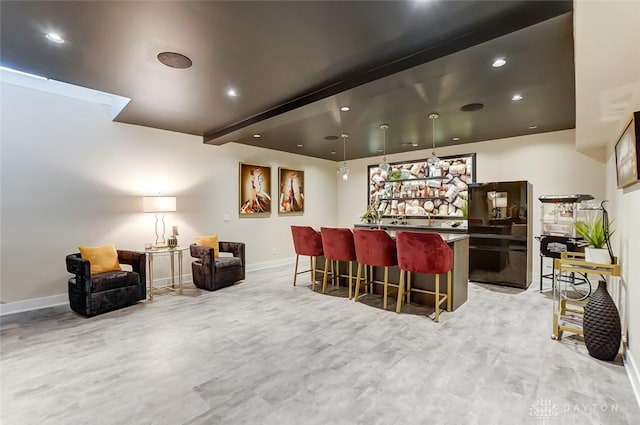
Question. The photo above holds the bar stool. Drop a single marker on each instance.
(338, 245)
(424, 253)
(308, 242)
(375, 248)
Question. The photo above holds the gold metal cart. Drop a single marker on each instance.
(568, 314)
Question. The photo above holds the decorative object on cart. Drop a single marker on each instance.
(596, 233)
(344, 170)
(291, 184)
(434, 161)
(627, 148)
(254, 190)
(384, 166)
(602, 330)
(413, 190)
(159, 205)
(371, 215)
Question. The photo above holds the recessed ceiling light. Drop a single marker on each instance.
(516, 97)
(257, 136)
(497, 63)
(232, 93)
(345, 108)
(55, 37)
(174, 60)
(472, 107)
(331, 137)
(380, 150)
(455, 139)
(414, 144)
(333, 152)
(533, 127)
(299, 145)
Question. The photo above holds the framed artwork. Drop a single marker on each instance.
(627, 166)
(254, 190)
(415, 189)
(291, 187)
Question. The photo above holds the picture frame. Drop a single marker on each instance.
(254, 190)
(290, 191)
(626, 150)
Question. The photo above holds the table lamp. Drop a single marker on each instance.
(159, 205)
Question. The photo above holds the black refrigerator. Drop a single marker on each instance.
(500, 232)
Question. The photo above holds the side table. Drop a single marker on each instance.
(171, 252)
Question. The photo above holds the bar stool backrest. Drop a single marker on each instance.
(375, 248)
(306, 241)
(337, 244)
(423, 253)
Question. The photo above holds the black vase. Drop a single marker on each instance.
(602, 330)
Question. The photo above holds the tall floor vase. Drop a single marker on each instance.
(602, 331)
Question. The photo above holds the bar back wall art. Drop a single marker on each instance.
(291, 184)
(254, 190)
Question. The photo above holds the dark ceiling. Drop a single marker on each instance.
(294, 64)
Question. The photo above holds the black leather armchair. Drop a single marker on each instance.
(99, 293)
(213, 273)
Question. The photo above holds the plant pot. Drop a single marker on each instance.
(602, 332)
(597, 255)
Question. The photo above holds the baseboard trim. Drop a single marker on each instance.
(269, 264)
(33, 304)
(634, 374)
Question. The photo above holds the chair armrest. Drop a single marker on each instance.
(136, 260)
(78, 266)
(203, 253)
(236, 248)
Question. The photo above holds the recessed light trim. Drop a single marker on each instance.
(331, 138)
(516, 97)
(472, 107)
(533, 127)
(174, 60)
(54, 37)
(498, 62)
(300, 145)
(345, 109)
(232, 92)
(257, 135)
(455, 139)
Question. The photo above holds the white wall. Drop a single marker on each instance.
(548, 160)
(71, 176)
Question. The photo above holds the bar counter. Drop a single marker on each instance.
(459, 242)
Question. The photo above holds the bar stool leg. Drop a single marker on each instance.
(437, 318)
(314, 265)
(350, 277)
(372, 278)
(358, 275)
(386, 289)
(449, 298)
(400, 291)
(326, 269)
(295, 273)
(408, 288)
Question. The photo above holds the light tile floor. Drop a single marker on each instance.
(265, 352)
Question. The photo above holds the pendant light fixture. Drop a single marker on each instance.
(344, 171)
(434, 161)
(384, 166)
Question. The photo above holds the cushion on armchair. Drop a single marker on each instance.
(210, 241)
(103, 258)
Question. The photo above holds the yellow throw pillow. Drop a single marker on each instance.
(210, 241)
(102, 258)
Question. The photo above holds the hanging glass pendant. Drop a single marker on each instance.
(384, 166)
(344, 170)
(434, 161)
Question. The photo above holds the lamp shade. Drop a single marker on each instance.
(158, 203)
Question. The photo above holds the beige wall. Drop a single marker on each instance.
(71, 176)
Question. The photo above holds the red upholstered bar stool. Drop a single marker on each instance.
(306, 241)
(375, 248)
(338, 245)
(424, 253)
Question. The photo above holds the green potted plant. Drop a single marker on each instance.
(596, 239)
(371, 215)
